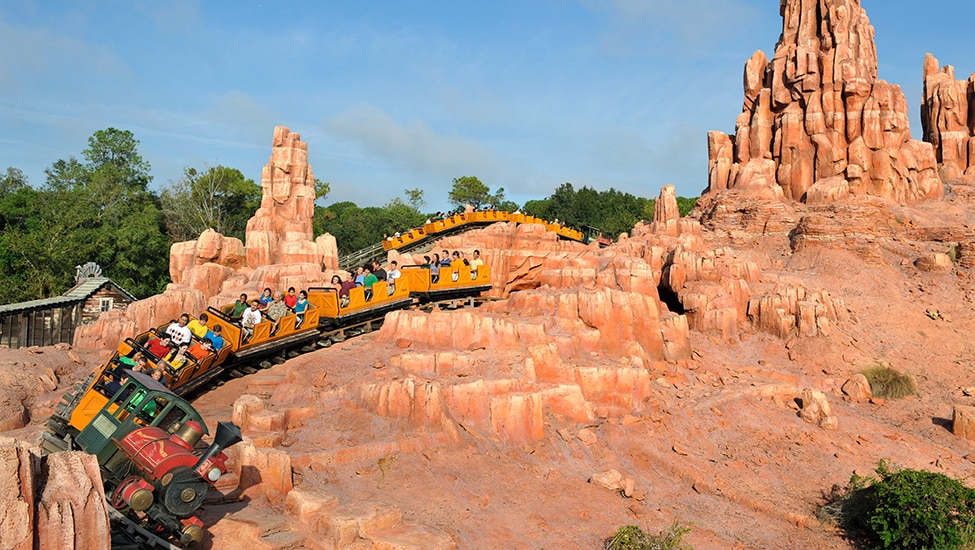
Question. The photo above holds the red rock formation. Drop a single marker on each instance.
(281, 230)
(211, 248)
(948, 118)
(515, 253)
(816, 112)
(279, 236)
(72, 511)
(19, 470)
(54, 503)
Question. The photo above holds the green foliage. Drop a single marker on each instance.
(322, 189)
(11, 182)
(631, 537)
(685, 205)
(470, 190)
(414, 197)
(905, 509)
(612, 211)
(356, 228)
(217, 198)
(98, 210)
(889, 383)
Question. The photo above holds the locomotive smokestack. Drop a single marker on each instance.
(228, 434)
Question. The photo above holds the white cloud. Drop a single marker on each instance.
(413, 145)
(180, 17)
(671, 26)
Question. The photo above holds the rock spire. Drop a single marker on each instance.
(948, 117)
(817, 124)
(281, 230)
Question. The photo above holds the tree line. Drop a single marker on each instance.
(100, 208)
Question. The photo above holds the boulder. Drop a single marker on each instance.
(857, 389)
(963, 421)
(934, 263)
(816, 409)
(608, 479)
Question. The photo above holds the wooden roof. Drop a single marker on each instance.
(78, 293)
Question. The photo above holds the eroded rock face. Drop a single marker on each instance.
(948, 118)
(816, 116)
(211, 248)
(57, 503)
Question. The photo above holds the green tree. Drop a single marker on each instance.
(685, 205)
(470, 190)
(356, 228)
(98, 209)
(414, 197)
(10, 182)
(322, 189)
(108, 215)
(217, 198)
(612, 211)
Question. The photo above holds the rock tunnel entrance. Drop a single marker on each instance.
(671, 299)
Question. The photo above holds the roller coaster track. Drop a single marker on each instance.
(418, 238)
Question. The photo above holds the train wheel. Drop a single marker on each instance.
(247, 369)
(265, 364)
(307, 349)
(234, 373)
(325, 343)
(291, 354)
(278, 360)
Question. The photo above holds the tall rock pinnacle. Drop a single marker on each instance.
(281, 230)
(817, 124)
(948, 117)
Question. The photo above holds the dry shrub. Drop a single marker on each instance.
(889, 383)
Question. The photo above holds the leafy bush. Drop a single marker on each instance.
(631, 537)
(889, 383)
(909, 509)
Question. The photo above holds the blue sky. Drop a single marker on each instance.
(391, 95)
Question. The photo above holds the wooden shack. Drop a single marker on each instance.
(53, 320)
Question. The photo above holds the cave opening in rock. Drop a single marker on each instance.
(670, 298)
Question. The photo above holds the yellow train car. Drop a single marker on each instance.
(328, 313)
(359, 306)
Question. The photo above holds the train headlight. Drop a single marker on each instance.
(214, 474)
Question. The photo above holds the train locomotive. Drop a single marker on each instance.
(146, 439)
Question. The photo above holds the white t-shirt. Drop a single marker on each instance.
(180, 335)
(392, 274)
(250, 318)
